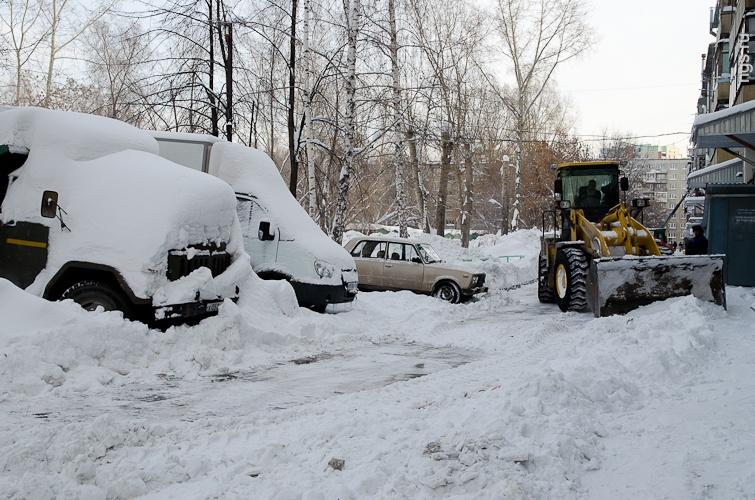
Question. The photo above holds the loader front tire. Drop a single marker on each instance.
(544, 291)
(570, 279)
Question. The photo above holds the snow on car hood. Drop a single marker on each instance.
(125, 207)
(250, 171)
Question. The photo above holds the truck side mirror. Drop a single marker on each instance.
(265, 232)
(624, 184)
(49, 204)
(558, 186)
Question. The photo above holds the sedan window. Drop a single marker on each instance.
(357, 251)
(373, 250)
(411, 255)
(395, 251)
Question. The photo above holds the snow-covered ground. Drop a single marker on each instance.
(502, 397)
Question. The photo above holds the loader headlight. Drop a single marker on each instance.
(640, 202)
(324, 269)
(564, 204)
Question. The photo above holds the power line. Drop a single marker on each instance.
(639, 87)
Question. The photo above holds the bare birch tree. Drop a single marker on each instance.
(65, 26)
(22, 20)
(538, 36)
(339, 222)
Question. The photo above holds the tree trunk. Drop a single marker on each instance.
(422, 193)
(229, 82)
(53, 52)
(211, 73)
(445, 167)
(308, 132)
(517, 185)
(466, 214)
(399, 159)
(339, 222)
(294, 179)
(271, 118)
(504, 197)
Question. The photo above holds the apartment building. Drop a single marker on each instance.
(723, 152)
(664, 182)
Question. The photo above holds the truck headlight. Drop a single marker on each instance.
(324, 269)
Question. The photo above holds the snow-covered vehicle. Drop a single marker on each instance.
(90, 212)
(282, 240)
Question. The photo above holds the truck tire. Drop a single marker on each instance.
(571, 279)
(448, 291)
(93, 294)
(544, 291)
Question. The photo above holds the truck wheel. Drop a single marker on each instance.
(571, 279)
(544, 290)
(93, 294)
(448, 291)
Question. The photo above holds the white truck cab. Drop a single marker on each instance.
(283, 242)
(89, 211)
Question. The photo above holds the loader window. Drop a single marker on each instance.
(591, 188)
(594, 190)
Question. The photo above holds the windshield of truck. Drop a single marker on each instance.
(590, 187)
(428, 253)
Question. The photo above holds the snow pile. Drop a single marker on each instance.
(58, 346)
(507, 260)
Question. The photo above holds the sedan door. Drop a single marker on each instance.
(403, 269)
(369, 257)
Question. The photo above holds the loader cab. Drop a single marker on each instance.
(592, 187)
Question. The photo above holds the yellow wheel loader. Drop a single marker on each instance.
(600, 257)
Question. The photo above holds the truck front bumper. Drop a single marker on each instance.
(313, 295)
(188, 310)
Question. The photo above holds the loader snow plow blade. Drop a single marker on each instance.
(617, 285)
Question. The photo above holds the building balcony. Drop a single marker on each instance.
(723, 88)
(727, 16)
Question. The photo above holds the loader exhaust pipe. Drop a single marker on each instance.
(617, 285)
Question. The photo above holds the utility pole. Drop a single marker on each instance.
(229, 81)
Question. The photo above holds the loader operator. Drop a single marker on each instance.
(589, 196)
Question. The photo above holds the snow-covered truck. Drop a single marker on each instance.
(90, 212)
(282, 240)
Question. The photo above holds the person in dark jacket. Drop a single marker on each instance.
(698, 244)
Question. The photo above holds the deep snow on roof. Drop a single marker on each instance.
(77, 136)
(185, 137)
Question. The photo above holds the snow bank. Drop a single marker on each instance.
(507, 260)
(57, 346)
(523, 427)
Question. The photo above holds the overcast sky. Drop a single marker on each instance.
(643, 73)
